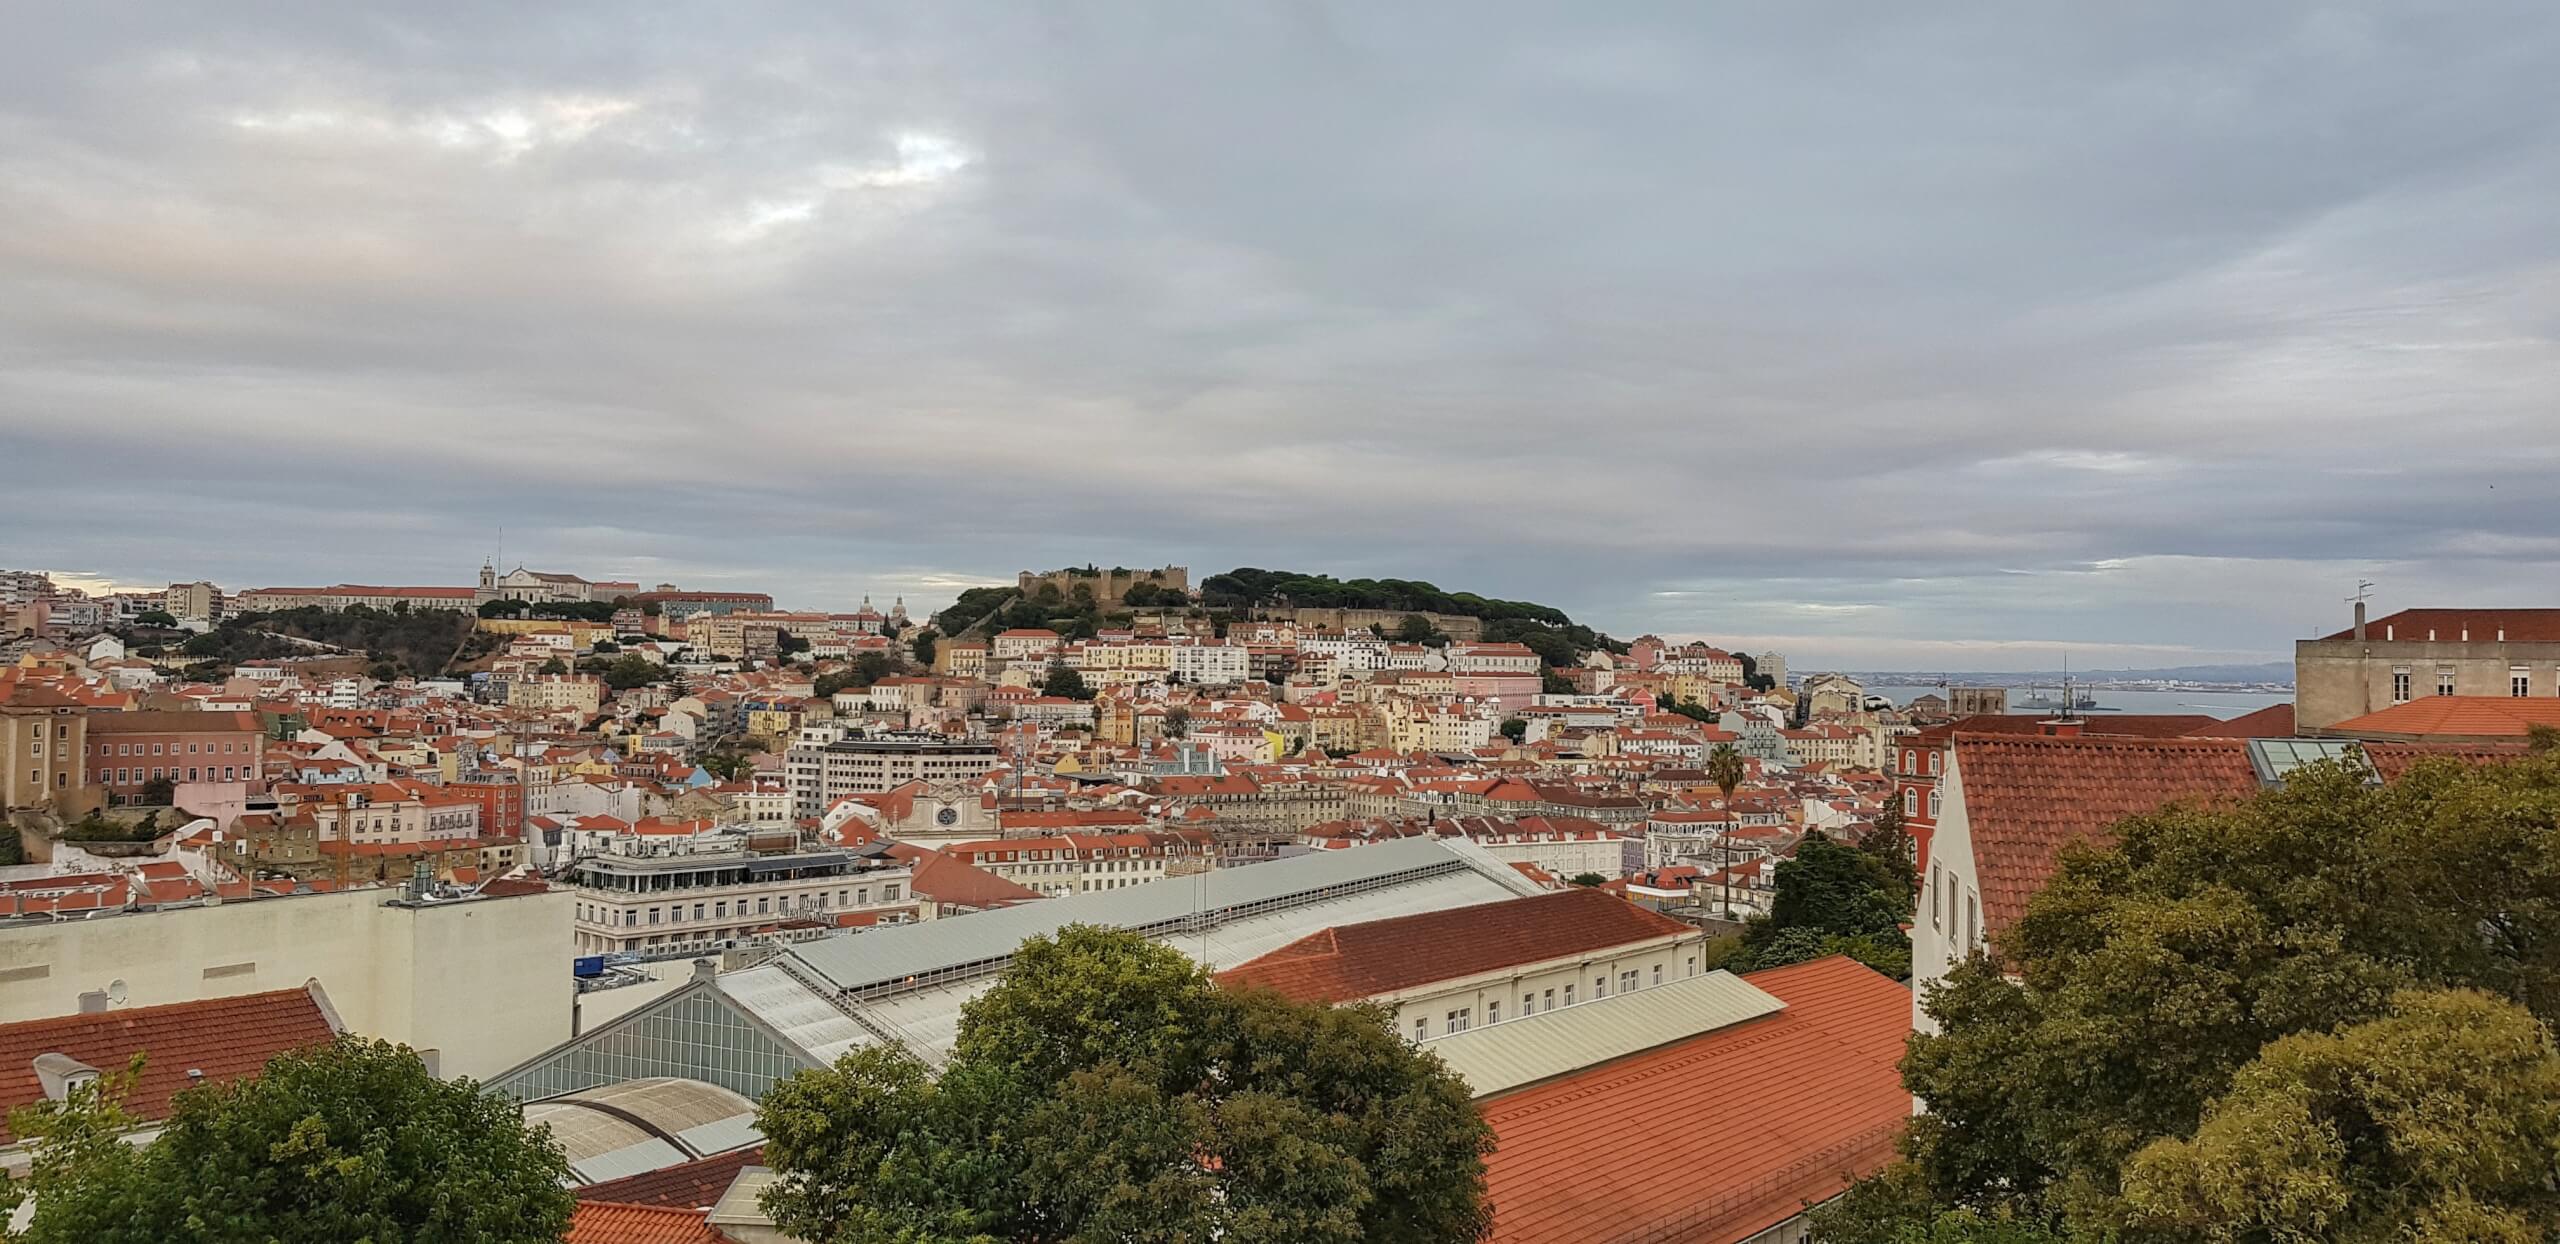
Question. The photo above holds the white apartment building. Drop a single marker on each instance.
(1492, 659)
(1216, 663)
(694, 895)
(828, 764)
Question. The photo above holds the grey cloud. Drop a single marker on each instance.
(1826, 315)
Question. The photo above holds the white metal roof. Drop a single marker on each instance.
(1499, 1057)
(793, 1011)
(888, 956)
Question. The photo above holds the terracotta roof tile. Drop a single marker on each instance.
(225, 1038)
(694, 1185)
(1377, 957)
(2391, 760)
(2453, 716)
(603, 1222)
(2275, 721)
(1717, 1137)
(2025, 798)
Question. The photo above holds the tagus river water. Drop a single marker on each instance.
(2223, 704)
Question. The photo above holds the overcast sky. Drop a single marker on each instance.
(1877, 334)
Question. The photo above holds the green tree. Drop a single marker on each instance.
(2126, 1000)
(1551, 682)
(1414, 628)
(160, 792)
(2437, 1121)
(349, 1141)
(155, 617)
(1725, 769)
(1514, 729)
(923, 646)
(866, 669)
(1063, 680)
(1891, 845)
(1106, 1090)
(632, 670)
(1177, 723)
(1829, 891)
(1588, 880)
(553, 666)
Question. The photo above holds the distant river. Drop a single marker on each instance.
(2222, 704)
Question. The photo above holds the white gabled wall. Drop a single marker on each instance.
(1949, 921)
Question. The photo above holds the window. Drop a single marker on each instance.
(2444, 682)
(1657, 973)
(1693, 965)
(1972, 919)
(2519, 681)
(1528, 1004)
(1458, 1020)
(1934, 796)
(1911, 801)
(1933, 762)
(1627, 981)
(1568, 995)
(1493, 1012)
(1599, 988)
(1421, 1027)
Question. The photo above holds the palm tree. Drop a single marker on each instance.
(1724, 768)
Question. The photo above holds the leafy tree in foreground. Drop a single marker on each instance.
(2442, 1118)
(1107, 1090)
(2127, 1000)
(349, 1141)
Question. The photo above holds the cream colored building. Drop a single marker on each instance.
(482, 984)
(556, 693)
(960, 659)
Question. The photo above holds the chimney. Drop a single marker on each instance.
(2359, 621)
(2061, 728)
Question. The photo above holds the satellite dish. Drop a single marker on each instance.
(116, 993)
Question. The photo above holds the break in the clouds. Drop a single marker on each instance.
(1882, 333)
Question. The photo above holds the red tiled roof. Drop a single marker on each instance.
(2518, 626)
(694, 1185)
(225, 1038)
(1377, 957)
(2024, 798)
(2453, 717)
(1715, 1138)
(2391, 760)
(944, 878)
(2275, 721)
(603, 1222)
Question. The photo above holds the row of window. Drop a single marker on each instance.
(1911, 802)
(203, 773)
(135, 749)
(719, 909)
(2519, 683)
(1458, 1020)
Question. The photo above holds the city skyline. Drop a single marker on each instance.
(1929, 341)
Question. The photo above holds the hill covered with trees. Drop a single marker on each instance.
(1556, 637)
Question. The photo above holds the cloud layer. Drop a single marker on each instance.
(1900, 337)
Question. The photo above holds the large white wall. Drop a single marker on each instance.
(485, 983)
